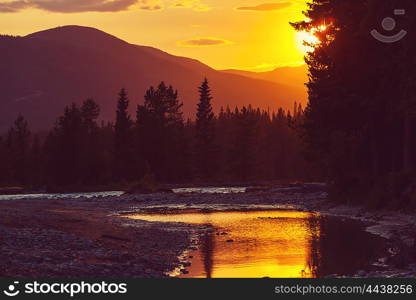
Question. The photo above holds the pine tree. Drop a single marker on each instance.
(204, 139)
(357, 126)
(123, 140)
(4, 166)
(36, 163)
(90, 111)
(64, 147)
(18, 148)
(92, 161)
(241, 157)
(161, 132)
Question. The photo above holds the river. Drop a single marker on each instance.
(275, 244)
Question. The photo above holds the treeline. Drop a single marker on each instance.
(360, 123)
(157, 144)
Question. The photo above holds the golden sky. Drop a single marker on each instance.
(241, 34)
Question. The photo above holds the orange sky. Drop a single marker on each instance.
(242, 34)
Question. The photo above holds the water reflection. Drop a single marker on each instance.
(62, 196)
(275, 244)
(211, 190)
(340, 246)
(207, 251)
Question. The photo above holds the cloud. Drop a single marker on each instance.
(77, 6)
(204, 42)
(69, 6)
(267, 6)
(13, 6)
(150, 5)
(192, 4)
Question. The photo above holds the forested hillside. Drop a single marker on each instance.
(360, 124)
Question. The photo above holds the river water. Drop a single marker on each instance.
(276, 244)
(61, 196)
(199, 190)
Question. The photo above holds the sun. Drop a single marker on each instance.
(308, 37)
(303, 37)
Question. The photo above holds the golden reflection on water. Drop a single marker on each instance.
(272, 244)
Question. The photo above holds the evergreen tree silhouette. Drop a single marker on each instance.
(36, 162)
(76, 153)
(4, 165)
(64, 147)
(90, 111)
(359, 121)
(242, 155)
(92, 162)
(241, 144)
(123, 139)
(161, 132)
(204, 139)
(18, 148)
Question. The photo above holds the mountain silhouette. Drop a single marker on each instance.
(45, 71)
(292, 76)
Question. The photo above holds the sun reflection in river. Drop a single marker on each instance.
(264, 243)
(276, 244)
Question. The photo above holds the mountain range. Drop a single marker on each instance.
(43, 72)
(292, 76)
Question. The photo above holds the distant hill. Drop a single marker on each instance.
(292, 76)
(44, 71)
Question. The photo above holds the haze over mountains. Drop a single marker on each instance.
(43, 72)
(292, 76)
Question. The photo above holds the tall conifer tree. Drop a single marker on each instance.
(18, 148)
(204, 139)
(123, 150)
(161, 132)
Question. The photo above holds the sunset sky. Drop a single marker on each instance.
(241, 34)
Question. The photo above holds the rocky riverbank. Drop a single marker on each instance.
(86, 237)
(71, 238)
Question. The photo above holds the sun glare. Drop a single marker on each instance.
(308, 37)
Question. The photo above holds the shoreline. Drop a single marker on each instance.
(87, 237)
